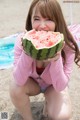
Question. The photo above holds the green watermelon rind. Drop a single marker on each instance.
(41, 54)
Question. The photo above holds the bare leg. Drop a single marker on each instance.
(58, 104)
(20, 97)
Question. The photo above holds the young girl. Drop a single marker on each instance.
(50, 77)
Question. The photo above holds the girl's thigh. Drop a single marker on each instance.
(58, 103)
(30, 88)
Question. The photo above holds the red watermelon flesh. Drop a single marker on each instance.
(45, 43)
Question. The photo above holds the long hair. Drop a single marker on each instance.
(52, 10)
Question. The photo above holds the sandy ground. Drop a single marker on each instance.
(12, 20)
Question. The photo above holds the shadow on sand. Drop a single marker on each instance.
(36, 107)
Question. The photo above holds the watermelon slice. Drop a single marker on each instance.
(42, 45)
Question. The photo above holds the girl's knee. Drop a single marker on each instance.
(64, 116)
(15, 91)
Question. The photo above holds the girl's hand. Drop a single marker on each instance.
(55, 58)
(44, 63)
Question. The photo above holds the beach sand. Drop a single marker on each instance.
(12, 20)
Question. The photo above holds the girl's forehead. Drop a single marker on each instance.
(44, 9)
(35, 11)
(39, 10)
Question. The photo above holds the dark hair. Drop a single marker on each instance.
(51, 9)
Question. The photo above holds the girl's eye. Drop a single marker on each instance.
(48, 19)
(36, 19)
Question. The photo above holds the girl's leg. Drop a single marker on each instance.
(20, 97)
(58, 104)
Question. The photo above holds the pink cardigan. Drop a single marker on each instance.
(55, 73)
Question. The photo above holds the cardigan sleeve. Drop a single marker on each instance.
(60, 73)
(22, 64)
